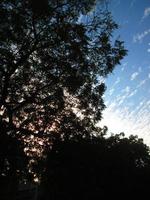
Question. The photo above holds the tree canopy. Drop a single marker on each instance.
(97, 168)
(52, 61)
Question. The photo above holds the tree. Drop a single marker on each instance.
(51, 64)
(97, 168)
(13, 163)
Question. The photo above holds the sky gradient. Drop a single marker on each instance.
(128, 89)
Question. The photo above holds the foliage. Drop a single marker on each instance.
(51, 64)
(97, 168)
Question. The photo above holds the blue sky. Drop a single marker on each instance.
(128, 89)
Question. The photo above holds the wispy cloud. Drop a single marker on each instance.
(123, 119)
(148, 50)
(124, 94)
(123, 66)
(140, 36)
(133, 93)
(121, 116)
(146, 12)
(127, 89)
(128, 92)
(122, 69)
(111, 91)
(134, 75)
(142, 83)
(117, 81)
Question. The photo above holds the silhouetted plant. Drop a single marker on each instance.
(52, 61)
(97, 168)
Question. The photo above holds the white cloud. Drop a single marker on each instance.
(141, 83)
(111, 91)
(113, 86)
(128, 92)
(134, 75)
(122, 69)
(146, 12)
(123, 66)
(127, 89)
(133, 93)
(117, 81)
(125, 93)
(140, 36)
(148, 50)
(122, 119)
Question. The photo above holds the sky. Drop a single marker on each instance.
(128, 88)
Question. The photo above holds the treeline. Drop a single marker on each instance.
(97, 168)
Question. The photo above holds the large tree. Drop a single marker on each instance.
(53, 56)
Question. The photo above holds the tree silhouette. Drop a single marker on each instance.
(52, 61)
(97, 168)
(13, 163)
